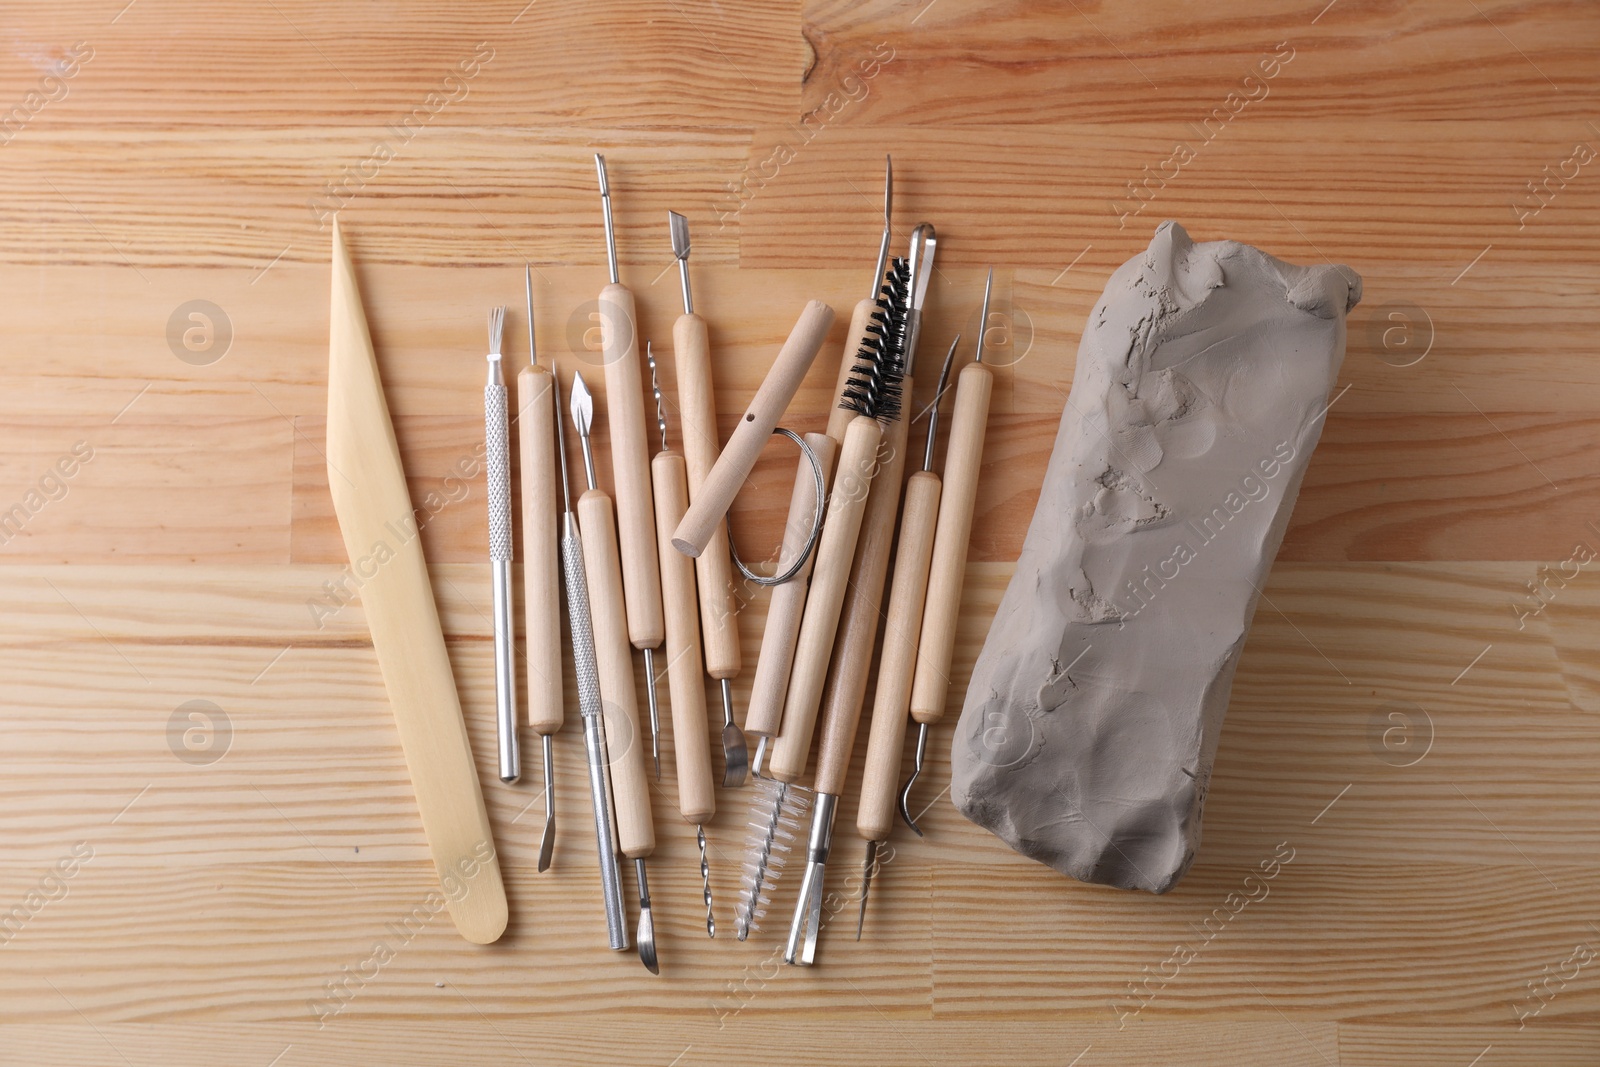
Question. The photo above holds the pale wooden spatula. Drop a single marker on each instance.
(375, 516)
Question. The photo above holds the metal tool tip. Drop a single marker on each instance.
(866, 884)
(547, 845)
(905, 792)
(735, 751)
(983, 316)
(679, 226)
(645, 934)
(547, 841)
(581, 407)
(497, 324)
(705, 880)
(600, 169)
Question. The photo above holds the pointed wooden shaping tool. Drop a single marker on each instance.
(380, 534)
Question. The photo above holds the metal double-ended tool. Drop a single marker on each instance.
(590, 706)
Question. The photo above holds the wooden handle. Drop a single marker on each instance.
(860, 319)
(750, 437)
(636, 834)
(630, 466)
(541, 547)
(697, 414)
(886, 737)
(846, 688)
(369, 492)
(769, 691)
(770, 687)
(948, 571)
(691, 738)
(858, 462)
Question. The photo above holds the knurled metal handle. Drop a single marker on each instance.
(497, 461)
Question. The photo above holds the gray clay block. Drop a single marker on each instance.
(1091, 721)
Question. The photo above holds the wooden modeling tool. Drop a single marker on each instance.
(630, 466)
(755, 426)
(541, 562)
(898, 660)
(947, 573)
(719, 618)
(691, 740)
(375, 513)
(846, 681)
(770, 688)
(630, 787)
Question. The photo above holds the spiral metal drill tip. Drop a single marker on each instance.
(705, 880)
(655, 389)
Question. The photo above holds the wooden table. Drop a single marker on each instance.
(205, 821)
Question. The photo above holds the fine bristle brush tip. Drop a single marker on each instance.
(497, 325)
(777, 826)
(873, 388)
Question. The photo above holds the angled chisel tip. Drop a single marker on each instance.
(680, 234)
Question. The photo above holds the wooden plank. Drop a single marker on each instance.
(964, 65)
(1296, 945)
(495, 1037)
(509, 63)
(1370, 193)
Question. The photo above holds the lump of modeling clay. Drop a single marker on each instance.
(1091, 721)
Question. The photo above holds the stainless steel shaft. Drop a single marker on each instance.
(497, 461)
(594, 737)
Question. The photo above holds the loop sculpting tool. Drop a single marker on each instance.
(733, 466)
(918, 516)
(845, 689)
(770, 688)
(372, 503)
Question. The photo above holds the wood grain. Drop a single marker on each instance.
(1413, 712)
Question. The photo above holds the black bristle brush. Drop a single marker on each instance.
(839, 628)
(873, 392)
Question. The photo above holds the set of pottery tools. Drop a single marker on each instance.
(652, 568)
